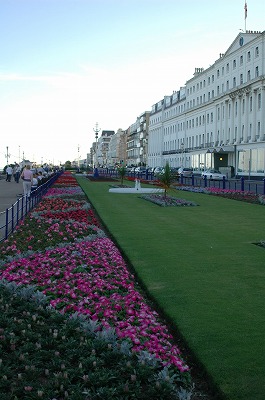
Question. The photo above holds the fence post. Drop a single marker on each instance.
(223, 182)
(12, 218)
(205, 181)
(6, 232)
(18, 200)
(181, 179)
(242, 183)
(192, 180)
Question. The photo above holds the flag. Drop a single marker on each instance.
(246, 10)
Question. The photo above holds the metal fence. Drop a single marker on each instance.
(241, 184)
(10, 218)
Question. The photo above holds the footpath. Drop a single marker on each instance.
(9, 193)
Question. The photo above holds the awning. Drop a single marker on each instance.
(221, 149)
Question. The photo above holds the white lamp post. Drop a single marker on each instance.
(96, 130)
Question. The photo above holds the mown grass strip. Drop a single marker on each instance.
(201, 266)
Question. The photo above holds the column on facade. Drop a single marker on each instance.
(232, 133)
(222, 140)
(254, 119)
(246, 118)
(239, 124)
(226, 138)
(216, 125)
(262, 121)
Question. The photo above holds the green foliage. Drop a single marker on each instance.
(122, 172)
(68, 165)
(166, 178)
(45, 355)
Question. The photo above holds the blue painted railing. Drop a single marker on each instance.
(242, 184)
(10, 218)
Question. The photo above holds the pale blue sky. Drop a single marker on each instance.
(67, 64)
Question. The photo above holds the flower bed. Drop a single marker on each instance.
(167, 201)
(67, 257)
(247, 196)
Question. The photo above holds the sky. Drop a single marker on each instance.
(66, 65)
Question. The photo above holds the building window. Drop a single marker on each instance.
(243, 106)
(257, 52)
(212, 78)
(218, 73)
(250, 103)
(211, 117)
(218, 113)
(218, 90)
(212, 93)
(241, 60)
(257, 72)
(209, 80)
(236, 108)
(259, 101)
(234, 82)
(234, 64)
(248, 56)
(241, 79)
(207, 118)
(227, 85)
(209, 95)
(227, 67)
(249, 76)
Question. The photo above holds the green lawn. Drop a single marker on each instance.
(201, 266)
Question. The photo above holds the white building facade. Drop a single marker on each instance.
(218, 119)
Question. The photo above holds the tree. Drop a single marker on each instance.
(122, 172)
(166, 178)
(68, 165)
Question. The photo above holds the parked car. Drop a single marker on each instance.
(186, 172)
(213, 174)
(140, 170)
(158, 170)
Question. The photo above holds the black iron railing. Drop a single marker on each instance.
(11, 217)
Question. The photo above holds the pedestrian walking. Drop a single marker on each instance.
(17, 171)
(9, 173)
(27, 177)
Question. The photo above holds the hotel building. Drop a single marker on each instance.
(217, 120)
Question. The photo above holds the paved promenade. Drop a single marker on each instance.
(9, 192)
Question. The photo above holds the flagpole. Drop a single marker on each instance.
(246, 14)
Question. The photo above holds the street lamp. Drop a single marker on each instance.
(7, 155)
(96, 130)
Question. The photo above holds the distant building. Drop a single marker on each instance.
(117, 149)
(137, 140)
(218, 119)
(103, 146)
